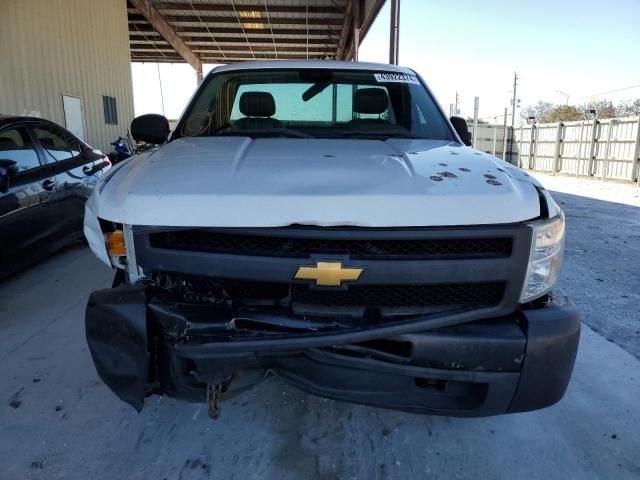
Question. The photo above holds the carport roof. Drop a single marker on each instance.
(228, 31)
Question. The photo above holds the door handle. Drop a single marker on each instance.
(48, 184)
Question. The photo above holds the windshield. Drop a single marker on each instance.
(314, 103)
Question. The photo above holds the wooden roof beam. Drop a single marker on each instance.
(344, 32)
(155, 18)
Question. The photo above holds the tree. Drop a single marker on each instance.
(562, 113)
(603, 108)
(544, 112)
(629, 108)
(536, 111)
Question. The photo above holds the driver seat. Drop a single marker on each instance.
(369, 101)
(257, 108)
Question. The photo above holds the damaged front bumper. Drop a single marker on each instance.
(143, 343)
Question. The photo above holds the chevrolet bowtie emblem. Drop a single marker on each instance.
(328, 274)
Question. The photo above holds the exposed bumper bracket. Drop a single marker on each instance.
(214, 392)
(509, 364)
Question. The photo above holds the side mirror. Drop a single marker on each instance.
(460, 124)
(8, 171)
(150, 128)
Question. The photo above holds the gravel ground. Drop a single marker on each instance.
(57, 421)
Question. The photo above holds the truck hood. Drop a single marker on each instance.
(240, 182)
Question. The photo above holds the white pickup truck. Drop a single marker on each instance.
(325, 222)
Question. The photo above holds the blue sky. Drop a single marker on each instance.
(578, 47)
(473, 47)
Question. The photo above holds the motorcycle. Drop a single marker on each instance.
(120, 152)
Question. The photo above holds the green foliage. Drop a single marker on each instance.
(562, 113)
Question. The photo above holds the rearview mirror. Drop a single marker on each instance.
(150, 128)
(8, 171)
(460, 124)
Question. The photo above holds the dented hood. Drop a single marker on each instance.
(238, 181)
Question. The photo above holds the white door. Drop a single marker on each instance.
(73, 115)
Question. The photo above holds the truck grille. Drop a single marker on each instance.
(464, 295)
(357, 296)
(412, 271)
(277, 246)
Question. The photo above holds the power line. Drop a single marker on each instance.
(611, 91)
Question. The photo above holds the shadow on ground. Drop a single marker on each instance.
(601, 272)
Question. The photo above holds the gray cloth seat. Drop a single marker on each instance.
(369, 101)
(257, 108)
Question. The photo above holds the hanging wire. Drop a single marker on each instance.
(209, 31)
(153, 42)
(243, 30)
(273, 36)
(161, 94)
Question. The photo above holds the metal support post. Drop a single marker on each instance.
(635, 169)
(558, 147)
(495, 140)
(505, 139)
(394, 33)
(607, 150)
(592, 147)
(476, 105)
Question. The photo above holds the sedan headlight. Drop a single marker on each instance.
(545, 259)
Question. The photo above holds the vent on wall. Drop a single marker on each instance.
(110, 110)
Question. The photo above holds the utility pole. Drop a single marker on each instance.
(514, 100)
(456, 110)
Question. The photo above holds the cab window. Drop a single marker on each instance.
(15, 145)
(58, 144)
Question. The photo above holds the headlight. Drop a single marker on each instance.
(547, 247)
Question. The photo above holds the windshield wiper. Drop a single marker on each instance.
(286, 132)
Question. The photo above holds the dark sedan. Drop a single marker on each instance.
(46, 175)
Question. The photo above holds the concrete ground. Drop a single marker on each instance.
(57, 420)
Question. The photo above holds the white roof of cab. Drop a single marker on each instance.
(301, 64)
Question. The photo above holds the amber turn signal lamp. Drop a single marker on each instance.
(115, 244)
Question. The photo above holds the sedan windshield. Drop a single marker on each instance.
(313, 103)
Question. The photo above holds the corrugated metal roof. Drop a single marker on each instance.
(226, 31)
